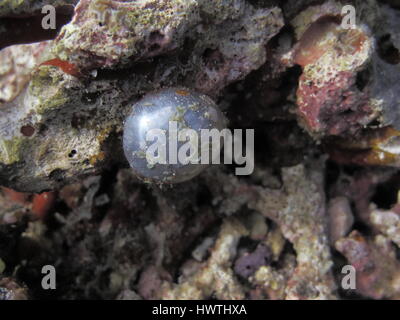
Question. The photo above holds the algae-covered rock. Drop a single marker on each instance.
(76, 96)
(15, 7)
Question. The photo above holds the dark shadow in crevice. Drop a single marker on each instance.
(387, 51)
(28, 29)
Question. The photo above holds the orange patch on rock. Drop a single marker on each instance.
(43, 203)
(310, 47)
(15, 196)
(39, 204)
(65, 66)
(182, 92)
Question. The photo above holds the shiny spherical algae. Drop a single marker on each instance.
(157, 110)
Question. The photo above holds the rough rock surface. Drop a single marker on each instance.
(376, 265)
(340, 218)
(387, 222)
(76, 102)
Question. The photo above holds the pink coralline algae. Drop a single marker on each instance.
(376, 265)
(329, 99)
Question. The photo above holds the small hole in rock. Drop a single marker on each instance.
(155, 47)
(57, 175)
(77, 121)
(387, 51)
(374, 123)
(386, 193)
(72, 153)
(347, 112)
(156, 36)
(362, 79)
(213, 59)
(27, 130)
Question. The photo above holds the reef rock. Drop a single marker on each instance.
(350, 76)
(58, 128)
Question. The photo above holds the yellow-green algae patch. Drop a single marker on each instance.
(46, 87)
(11, 4)
(10, 150)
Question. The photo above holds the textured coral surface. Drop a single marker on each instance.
(323, 100)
